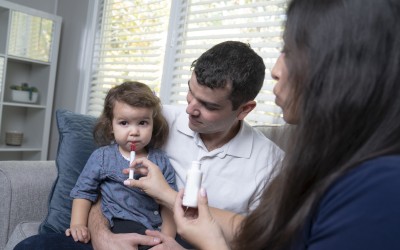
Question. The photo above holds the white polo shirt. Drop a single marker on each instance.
(230, 173)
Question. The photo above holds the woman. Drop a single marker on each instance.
(338, 79)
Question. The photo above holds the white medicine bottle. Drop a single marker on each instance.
(193, 184)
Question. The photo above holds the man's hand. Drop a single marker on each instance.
(152, 183)
(104, 239)
(129, 241)
(167, 242)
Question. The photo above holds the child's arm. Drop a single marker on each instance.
(79, 219)
(168, 226)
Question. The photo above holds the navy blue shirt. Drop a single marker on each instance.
(103, 171)
(361, 210)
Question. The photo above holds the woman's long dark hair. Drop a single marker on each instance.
(343, 57)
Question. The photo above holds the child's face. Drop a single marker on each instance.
(131, 125)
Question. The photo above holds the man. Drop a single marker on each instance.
(224, 83)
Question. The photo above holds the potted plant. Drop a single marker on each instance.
(24, 93)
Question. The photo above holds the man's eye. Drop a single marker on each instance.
(210, 108)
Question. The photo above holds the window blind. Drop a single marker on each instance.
(200, 24)
(134, 41)
(129, 45)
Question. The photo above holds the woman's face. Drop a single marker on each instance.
(283, 90)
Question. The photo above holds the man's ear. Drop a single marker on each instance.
(245, 109)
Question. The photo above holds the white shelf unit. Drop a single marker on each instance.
(29, 41)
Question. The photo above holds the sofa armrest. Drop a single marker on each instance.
(24, 192)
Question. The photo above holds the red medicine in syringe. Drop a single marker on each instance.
(132, 158)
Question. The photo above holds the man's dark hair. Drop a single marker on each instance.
(233, 63)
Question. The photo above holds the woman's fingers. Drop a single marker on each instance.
(178, 210)
(204, 210)
(141, 166)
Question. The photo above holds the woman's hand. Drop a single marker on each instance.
(152, 182)
(200, 229)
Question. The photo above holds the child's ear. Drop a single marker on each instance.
(245, 109)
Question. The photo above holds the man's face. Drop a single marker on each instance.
(210, 110)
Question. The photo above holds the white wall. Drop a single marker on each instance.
(71, 69)
(70, 64)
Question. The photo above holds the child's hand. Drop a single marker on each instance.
(79, 233)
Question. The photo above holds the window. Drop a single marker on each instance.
(130, 45)
(30, 36)
(134, 41)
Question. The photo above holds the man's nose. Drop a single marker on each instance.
(192, 108)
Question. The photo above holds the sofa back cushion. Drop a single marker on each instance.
(280, 135)
(75, 146)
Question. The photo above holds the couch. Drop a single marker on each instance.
(28, 186)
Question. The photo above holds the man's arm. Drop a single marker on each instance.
(98, 226)
(103, 238)
(168, 226)
(228, 221)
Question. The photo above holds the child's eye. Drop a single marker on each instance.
(123, 123)
(143, 123)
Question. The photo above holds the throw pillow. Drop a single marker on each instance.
(75, 145)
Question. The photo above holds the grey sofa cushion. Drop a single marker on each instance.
(24, 190)
(22, 230)
(75, 146)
